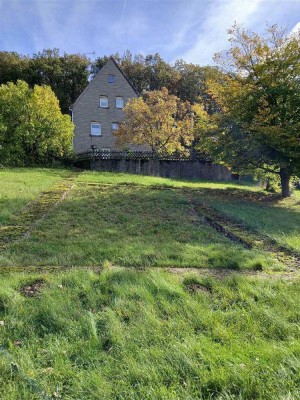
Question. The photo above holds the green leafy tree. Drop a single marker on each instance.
(192, 84)
(13, 66)
(146, 73)
(259, 99)
(66, 74)
(32, 128)
(159, 120)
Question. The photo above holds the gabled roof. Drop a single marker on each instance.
(118, 67)
(127, 79)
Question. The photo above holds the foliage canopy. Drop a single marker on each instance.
(66, 74)
(159, 120)
(259, 98)
(32, 127)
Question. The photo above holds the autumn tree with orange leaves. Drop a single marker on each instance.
(159, 120)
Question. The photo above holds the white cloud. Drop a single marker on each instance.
(211, 33)
(296, 29)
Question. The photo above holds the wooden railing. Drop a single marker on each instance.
(96, 154)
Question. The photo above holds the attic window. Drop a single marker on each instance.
(103, 101)
(95, 129)
(111, 78)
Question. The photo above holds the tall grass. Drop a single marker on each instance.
(124, 334)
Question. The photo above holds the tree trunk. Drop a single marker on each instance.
(268, 185)
(285, 182)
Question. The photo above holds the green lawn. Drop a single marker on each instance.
(18, 186)
(129, 179)
(129, 226)
(279, 219)
(142, 333)
(124, 334)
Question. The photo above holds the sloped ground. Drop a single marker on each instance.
(130, 226)
(23, 222)
(219, 321)
(20, 186)
(145, 222)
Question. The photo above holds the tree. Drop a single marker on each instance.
(259, 98)
(192, 84)
(13, 66)
(145, 73)
(159, 120)
(32, 127)
(66, 74)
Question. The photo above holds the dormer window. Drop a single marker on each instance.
(103, 101)
(111, 78)
(119, 102)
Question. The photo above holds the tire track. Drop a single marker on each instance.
(22, 224)
(240, 233)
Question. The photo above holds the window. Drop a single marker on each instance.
(114, 126)
(95, 129)
(119, 102)
(103, 102)
(106, 149)
(111, 78)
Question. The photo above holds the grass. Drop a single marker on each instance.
(124, 334)
(130, 179)
(116, 333)
(278, 219)
(22, 185)
(129, 226)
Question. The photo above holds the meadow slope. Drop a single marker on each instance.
(98, 299)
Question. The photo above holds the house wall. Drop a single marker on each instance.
(87, 110)
(163, 168)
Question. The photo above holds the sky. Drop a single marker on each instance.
(189, 29)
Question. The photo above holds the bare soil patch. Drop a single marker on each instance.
(33, 289)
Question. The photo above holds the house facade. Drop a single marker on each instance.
(98, 111)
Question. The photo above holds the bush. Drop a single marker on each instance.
(33, 131)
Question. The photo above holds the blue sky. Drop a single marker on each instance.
(190, 29)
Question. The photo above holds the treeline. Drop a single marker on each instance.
(69, 74)
(66, 74)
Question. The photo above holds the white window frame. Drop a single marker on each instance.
(93, 129)
(112, 126)
(118, 98)
(102, 97)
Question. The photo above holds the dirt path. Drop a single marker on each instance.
(34, 212)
